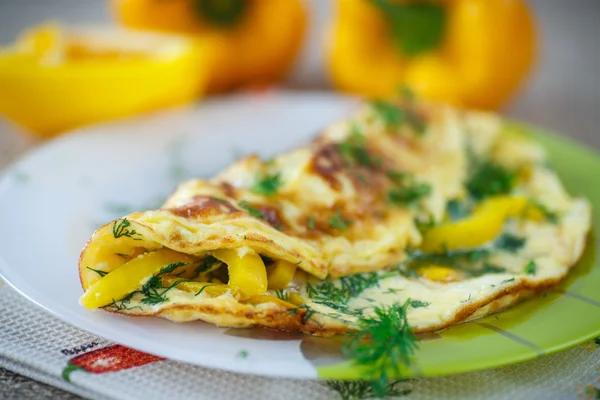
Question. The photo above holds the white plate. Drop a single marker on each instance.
(53, 199)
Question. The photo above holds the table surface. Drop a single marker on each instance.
(561, 95)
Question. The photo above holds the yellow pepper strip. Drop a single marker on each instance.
(260, 299)
(280, 274)
(212, 289)
(129, 277)
(247, 271)
(439, 273)
(296, 299)
(481, 227)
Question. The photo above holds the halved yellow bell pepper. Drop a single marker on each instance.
(280, 274)
(55, 78)
(472, 53)
(257, 40)
(247, 271)
(129, 277)
(483, 226)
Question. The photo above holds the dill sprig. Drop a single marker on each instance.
(206, 265)
(253, 211)
(551, 216)
(490, 179)
(530, 268)
(101, 273)
(406, 191)
(362, 390)
(342, 290)
(282, 294)
(510, 242)
(354, 151)
(122, 229)
(123, 304)
(408, 195)
(393, 116)
(268, 184)
(383, 344)
(338, 221)
(419, 303)
(152, 288)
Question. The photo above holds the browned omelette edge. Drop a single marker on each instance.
(280, 318)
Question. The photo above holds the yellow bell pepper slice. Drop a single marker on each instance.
(247, 271)
(129, 277)
(482, 226)
(280, 274)
(439, 273)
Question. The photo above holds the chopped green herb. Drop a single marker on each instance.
(338, 221)
(383, 344)
(394, 116)
(510, 242)
(415, 28)
(123, 304)
(354, 152)
(342, 289)
(242, 354)
(488, 269)
(531, 268)
(268, 185)
(218, 200)
(550, 216)
(419, 303)
(363, 390)
(408, 195)
(122, 229)
(391, 115)
(392, 291)
(341, 308)
(206, 264)
(253, 211)
(309, 312)
(282, 295)
(101, 273)
(151, 289)
(311, 223)
(458, 209)
(508, 280)
(490, 179)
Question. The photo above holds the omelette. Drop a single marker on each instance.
(455, 213)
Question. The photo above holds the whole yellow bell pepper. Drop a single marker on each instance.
(471, 53)
(257, 39)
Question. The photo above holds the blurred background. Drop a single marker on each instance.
(535, 60)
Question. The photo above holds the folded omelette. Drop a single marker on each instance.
(456, 212)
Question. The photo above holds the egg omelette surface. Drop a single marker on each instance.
(455, 212)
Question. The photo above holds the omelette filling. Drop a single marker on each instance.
(157, 272)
